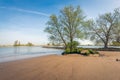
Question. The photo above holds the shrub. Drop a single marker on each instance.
(82, 51)
(71, 48)
(74, 51)
(74, 45)
(67, 50)
(87, 52)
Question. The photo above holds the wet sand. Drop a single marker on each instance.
(69, 67)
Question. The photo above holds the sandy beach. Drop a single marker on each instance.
(69, 67)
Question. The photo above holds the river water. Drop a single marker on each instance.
(23, 52)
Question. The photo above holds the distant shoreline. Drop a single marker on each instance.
(111, 48)
(97, 49)
(20, 46)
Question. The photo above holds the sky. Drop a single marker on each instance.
(25, 20)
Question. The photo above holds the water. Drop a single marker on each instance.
(16, 53)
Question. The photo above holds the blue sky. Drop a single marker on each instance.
(25, 20)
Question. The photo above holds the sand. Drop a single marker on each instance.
(70, 67)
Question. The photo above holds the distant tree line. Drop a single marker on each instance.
(17, 43)
(72, 25)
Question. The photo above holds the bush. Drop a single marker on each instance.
(74, 45)
(67, 50)
(87, 52)
(81, 51)
(71, 48)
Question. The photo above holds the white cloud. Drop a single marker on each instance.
(24, 10)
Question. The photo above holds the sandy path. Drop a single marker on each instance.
(71, 67)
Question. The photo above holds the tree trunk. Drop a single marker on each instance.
(106, 45)
(71, 46)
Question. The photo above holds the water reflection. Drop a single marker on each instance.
(29, 50)
(24, 50)
(16, 50)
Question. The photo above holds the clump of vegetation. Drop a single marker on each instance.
(29, 44)
(73, 49)
(82, 51)
(72, 46)
(87, 52)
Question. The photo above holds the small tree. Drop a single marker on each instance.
(15, 43)
(48, 44)
(29, 44)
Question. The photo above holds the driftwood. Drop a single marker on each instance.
(117, 59)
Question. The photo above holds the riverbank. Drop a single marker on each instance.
(97, 48)
(69, 67)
